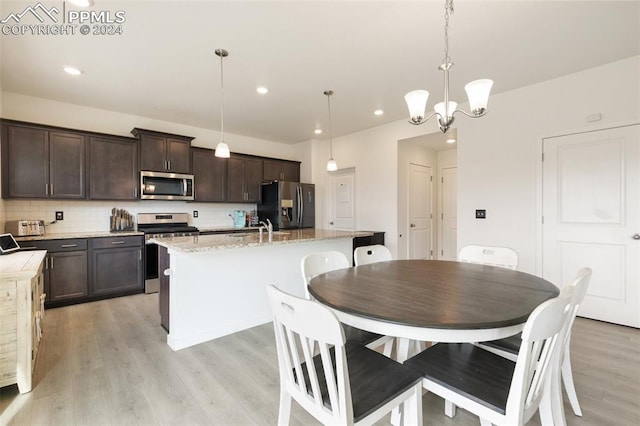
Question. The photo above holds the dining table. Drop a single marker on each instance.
(432, 300)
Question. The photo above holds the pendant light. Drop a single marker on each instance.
(332, 166)
(477, 91)
(222, 149)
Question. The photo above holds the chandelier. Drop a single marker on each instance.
(222, 149)
(477, 91)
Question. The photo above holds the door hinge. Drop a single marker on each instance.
(431, 253)
(441, 252)
(543, 157)
(543, 220)
(442, 179)
(430, 178)
(442, 216)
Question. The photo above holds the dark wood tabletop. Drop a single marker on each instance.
(433, 294)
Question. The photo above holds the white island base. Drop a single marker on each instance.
(216, 291)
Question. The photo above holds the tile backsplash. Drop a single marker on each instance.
(93, 216)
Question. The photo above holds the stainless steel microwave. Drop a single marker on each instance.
(166, 186)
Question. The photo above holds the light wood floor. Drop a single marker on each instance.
(107, 363)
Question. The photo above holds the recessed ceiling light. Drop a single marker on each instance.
(451, 140)
(262, 90)
(82, 3)
(72, 70)
(317, 131)
(378, 112)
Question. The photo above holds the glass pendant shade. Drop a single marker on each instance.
(417, 103)
(222, 150)
(439, 108)
(478, 94)
(332, 166)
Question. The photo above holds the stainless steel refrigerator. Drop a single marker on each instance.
(288, 205)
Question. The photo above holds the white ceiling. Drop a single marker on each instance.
(163, 66)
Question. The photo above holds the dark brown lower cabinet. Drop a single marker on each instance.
(116, 265)
(82, 270)
(67, 276)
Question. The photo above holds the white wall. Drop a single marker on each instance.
(499, 155)
(373, 153)
(84, 216)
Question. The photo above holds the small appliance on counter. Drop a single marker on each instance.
(25, 228)
(239, 218)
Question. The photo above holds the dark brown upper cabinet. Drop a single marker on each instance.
(113, 168)
(210, 175)
(281, 170)
(38, 162)
(244, 179)
(163, 152)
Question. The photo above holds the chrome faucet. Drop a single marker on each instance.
(269, 229)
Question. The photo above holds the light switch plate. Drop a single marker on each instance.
(481, 214)
(59, 215)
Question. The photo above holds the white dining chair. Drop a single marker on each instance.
(486, 255)
(344, 383)
(496, 389)
(365, 255)
(315, 264)
(510, 346)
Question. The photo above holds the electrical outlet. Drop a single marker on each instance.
(59, 215)
(195, 213)
(481, 214)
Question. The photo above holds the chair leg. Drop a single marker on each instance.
(284, 412)
(449, 409)
(412, 408)
(567, 379)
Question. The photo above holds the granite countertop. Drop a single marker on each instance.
(71, 235)
(228, 229)
(203, 243)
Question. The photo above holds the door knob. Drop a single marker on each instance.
(331, 223)
(636, 236)
(413, 225)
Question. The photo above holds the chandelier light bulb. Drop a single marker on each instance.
(417, 103)
(478, 94)
(332, 166)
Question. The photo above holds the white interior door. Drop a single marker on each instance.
(343, 215)
(420, 216)
(449, 214)
(591, 208)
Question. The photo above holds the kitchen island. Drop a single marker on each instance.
(214, 285)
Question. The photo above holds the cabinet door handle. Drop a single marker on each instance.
(140, 254)
(68, 245)
(51, 258)
(46, 189)
(117, 242)
(51, 191)
(169, 163)
(135, 192)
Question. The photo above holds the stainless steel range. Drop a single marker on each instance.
(160, 225)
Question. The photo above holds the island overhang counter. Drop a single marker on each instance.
(214, 285)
